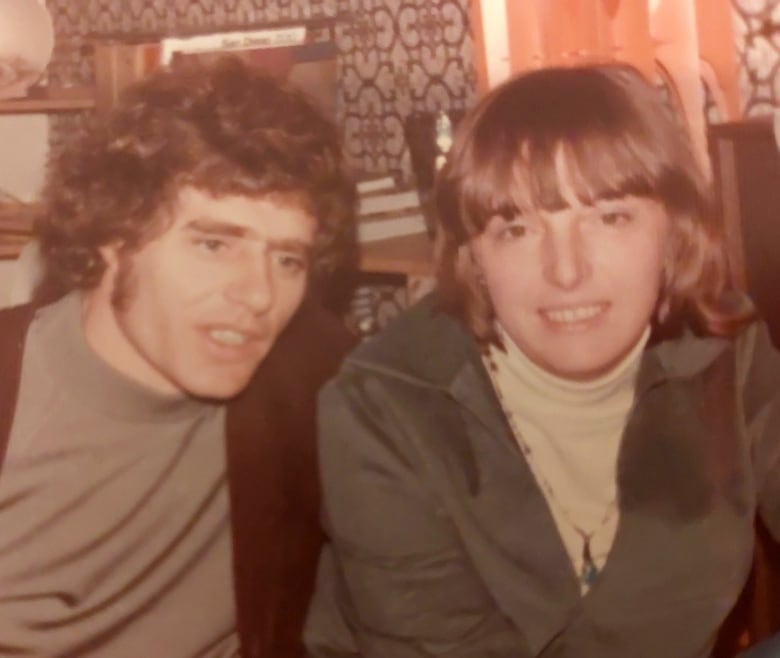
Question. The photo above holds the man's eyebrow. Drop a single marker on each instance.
(299, 246)
(227, 229)
(216, 227)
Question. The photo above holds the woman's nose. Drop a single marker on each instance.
(566, 263)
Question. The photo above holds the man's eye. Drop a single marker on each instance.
(291, 263)
(212, 245)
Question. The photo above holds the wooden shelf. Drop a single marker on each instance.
(50, 99)
(16, 222)
(411, 255)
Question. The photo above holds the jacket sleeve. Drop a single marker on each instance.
(395, 580)
(760, 373)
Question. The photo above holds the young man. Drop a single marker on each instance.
(158, 491)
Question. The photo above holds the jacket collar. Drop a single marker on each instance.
(430, 348)
(664, 474)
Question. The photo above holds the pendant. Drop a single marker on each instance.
(589, 571)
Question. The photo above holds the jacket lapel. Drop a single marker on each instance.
(14, 323)
(536, 586)
(274, 485)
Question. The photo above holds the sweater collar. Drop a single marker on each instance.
(521, 374)
(85, 375)
(432, 348)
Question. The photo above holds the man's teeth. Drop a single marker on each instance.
(228, 336)
(576, 314)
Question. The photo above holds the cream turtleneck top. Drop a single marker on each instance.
(569, 432)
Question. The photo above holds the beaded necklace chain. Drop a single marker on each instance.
(589, 570)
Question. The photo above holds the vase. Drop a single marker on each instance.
(26, 44)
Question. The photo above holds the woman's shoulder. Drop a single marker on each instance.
(423, 342)
(758, 365)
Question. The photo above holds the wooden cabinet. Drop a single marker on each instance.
(51, 99)
(746, 169)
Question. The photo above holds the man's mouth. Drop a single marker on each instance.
(229, 337)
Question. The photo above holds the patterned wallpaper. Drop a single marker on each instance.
(757, 29)
(396, 57)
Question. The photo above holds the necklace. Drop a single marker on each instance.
(589, 570)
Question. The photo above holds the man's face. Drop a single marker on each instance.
(196, 309)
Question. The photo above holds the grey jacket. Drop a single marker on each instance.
(442, 543)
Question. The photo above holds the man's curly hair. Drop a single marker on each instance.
(224, 128)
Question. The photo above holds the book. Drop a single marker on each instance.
(390, 227)
(371, 185)
(387, 202)
(281, 37)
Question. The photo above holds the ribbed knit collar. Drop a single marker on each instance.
(58, 333)
(526, 376)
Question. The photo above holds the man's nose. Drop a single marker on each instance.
(252, 287)
(566, 262)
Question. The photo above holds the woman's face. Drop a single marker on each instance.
(575, 288)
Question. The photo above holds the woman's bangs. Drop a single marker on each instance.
(545, 176)
(607, 167)
(489, 189)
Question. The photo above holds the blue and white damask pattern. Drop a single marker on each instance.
(395, 56)
(757, 28)
(399, 58)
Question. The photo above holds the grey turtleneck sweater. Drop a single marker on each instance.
(114, 529)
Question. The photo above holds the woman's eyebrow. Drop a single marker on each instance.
(507, 210)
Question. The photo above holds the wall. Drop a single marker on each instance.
(395, 56)
(757, 30)
(26, 138)
(25, 145)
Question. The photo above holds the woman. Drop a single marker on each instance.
(560, 454)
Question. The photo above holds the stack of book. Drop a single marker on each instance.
(387, 211)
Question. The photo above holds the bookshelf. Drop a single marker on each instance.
(50, 99)
(122, 59)
(410, 255)
(16, 221)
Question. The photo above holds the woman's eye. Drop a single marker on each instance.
(513, 231)
(615, 217)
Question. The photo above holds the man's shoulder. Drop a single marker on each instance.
(308, 351)
(14, 322)
(282, 393)
(20, 315)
